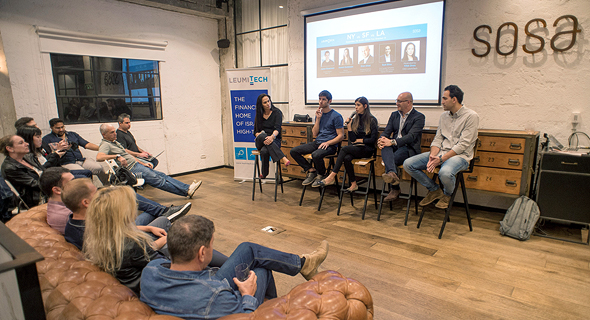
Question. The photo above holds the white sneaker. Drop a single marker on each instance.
(193, 187)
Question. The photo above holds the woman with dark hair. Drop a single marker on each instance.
(362, 136)
(21, 169)
(32, 136)
(410, 53)
(267, 129)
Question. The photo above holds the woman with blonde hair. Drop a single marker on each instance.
(114, 243)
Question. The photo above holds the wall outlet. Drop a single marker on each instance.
(575, 117)
(203, 156)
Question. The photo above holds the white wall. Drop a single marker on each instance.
(190, 83)
(519, 92)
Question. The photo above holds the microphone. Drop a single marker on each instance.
(351, 117)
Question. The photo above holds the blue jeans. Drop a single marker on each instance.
(447, 174)
(393, 157)
(262, 261)
(151, 210)
(160, 180)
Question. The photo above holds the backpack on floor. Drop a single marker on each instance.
(520, 219)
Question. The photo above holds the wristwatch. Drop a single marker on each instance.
(440, 158)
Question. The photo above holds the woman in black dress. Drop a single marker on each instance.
(362, 136)
(267, 129)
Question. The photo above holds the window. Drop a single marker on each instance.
(98, 89)
(262, 41)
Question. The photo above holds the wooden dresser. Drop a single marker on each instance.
(504, 164)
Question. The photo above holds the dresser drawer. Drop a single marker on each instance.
(491, 179)
(499, 160)
(294, 131)
(501, 144)
(427, 139)
(293, 171)
(291, 142)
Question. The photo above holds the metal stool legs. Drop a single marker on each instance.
(278, 177)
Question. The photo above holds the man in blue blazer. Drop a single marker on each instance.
(400, 140)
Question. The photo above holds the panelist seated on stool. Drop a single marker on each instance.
(328, 131)
(400, 140)
(363, 133)
(267, 129)
(452, 148)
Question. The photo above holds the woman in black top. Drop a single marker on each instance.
(362, 136)
(22, 169)
(410, 53)
(267, 129)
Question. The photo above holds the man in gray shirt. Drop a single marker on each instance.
(111, 149)
(452, 149)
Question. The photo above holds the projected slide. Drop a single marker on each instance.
(376, 51)
(397, 50)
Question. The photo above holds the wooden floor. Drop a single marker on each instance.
(410, 273)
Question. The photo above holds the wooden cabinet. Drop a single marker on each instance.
(504, 161)
(294, 134)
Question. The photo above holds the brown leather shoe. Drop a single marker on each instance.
(314, 260)
(443, 203)
(393, 195)
(390, 177)
(431, 197)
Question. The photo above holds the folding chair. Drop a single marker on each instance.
(113, 179)
(278, 175)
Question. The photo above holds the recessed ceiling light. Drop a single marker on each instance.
(281, 7)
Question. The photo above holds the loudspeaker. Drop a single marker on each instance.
(223, 43)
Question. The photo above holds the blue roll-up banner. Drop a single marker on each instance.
(245, 85)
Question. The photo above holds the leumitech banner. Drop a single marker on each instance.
(245, 85)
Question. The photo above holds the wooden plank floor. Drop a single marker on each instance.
(410, 273)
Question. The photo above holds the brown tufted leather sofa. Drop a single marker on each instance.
(73, 288)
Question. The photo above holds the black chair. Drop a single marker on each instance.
(322, 190)
(370, 178)
(459, 181)
(278, 175)
(384, 193)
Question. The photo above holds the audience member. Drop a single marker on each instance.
(328, 132)
(110, 215)
(185, 287)
(362, 136)
(52, 183)
(21, 169)
(73, 159)
(267, 129)
(400, 140)
(25, 121)
(32, 136)
(451, 149)
(111, 149)
(127, 140)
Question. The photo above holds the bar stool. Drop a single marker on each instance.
(458, 181)
(331, 160)
(371, 178)
(413, 186)
(278, 175)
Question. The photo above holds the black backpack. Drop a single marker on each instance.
(520, 219)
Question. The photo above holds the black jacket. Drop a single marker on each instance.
(411, 132)
(24, 180)
(134, 260)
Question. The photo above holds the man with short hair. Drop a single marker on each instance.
(73, 158)
(25, 121)
(53, 181)
(386, 57)
(400, 140)
(367, 58)
(328, 131)
(451, 149)
(127, 140)
(327, 61)
(111, 149)
(186, 288)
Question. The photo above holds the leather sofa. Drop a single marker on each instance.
(73, 288)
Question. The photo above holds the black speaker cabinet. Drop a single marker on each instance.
(563, 187)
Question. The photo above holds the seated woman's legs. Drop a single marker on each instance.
(272, 150)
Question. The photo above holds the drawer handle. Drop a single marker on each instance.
(471, 178)
(303, 132)
(284, 141)
(284, 131)
(569, 163)
(302, 171)
(511, 183)
(302, 143)
(476, 159)
(285, 169)
(515, 146)
(514, 162)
